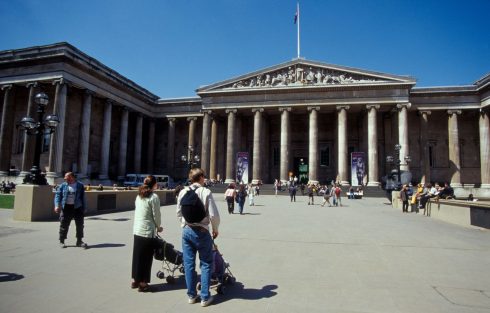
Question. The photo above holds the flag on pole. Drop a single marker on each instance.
(296, 15)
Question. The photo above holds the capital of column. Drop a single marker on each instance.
(192, 118)
(60, 81)
(372, 106)
(260, 110)
(89, 92)
(227, 111)
(451, 112)
(109, 102)
(425, 112)
(340, 107)
(313, 108)
(209, 112)
(32, 85)
(7, 87)
(288, 109)
(171, 119)
(484, 110)
(400, 106)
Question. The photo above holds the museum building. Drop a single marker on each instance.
(285, 116)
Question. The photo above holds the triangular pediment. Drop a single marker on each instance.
(302, 73)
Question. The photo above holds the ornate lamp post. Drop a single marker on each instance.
(38, 128)
(191, 159)
(397, 162)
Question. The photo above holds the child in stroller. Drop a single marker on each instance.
(220, 274)
(171, 258)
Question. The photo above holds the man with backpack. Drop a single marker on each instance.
(196, 209)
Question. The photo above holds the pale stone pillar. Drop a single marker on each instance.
(342, 143)
(424, 147)
(138, 139)
(403, 134)
(453, 141)
(192, 136)
(373, 170)
(257, 147)
(205, 142)
(284, 158)
(151, 147)
(6, 130)
(56, 146)
(29, 140)
(214, 145)
(171, 145)
(230, 147)
(484, 148)
(123, 144)
(85, 135)
(106, 141)
(313, 145)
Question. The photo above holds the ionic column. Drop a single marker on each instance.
(123, 144)
(85, 135)
(284, 158)
(192, 136)
(484, 149)
(29, 141)
(403, 133)
(424, 157)
(151, 147)
(171, 145)
(214, 145)
(453, 141)
(342, 143)
(205, 142)
(373, 170)
(138, 138)
(106, 141)
(57, 138)
(257, 147)
(313, 145)
(230, 147)
(6, 130)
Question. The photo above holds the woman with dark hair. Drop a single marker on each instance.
(230, 195)
(147, 223)
(240, 197)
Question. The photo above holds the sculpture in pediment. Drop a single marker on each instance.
(301, 75)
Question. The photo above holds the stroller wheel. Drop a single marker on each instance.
(221, 289)
(181, 270)
(231, 280)
(160, 274)
(198, 286)
(170, 279)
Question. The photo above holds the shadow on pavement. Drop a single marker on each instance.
(238, 291)
(106, 245)
(122, 219)
(4, 276)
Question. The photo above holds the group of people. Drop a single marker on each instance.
(197, 237)
(7, 187)
(239, 194)
(418, 197)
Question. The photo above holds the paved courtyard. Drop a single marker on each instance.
(287, 257)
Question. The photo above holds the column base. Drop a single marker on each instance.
(3, 173)
(229, 181)
(314, 182)
(373, 184)
(103, 177)
(456, 185)
(52, 175)
(256, 181)
(485, 186)
(344, 183)
(24, 173)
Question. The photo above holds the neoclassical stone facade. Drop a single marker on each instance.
(296, 112)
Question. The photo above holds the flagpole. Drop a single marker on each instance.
(297, 12)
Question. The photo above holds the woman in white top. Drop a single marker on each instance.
(147, 223)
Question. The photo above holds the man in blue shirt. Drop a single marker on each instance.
(69, 201)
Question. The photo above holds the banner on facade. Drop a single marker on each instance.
(357, 168)
(242, 168)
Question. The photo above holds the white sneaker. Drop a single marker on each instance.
(207, 302)
(193, 300)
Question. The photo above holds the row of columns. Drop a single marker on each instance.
(55, 159)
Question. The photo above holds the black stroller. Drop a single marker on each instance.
(171, 258)
(221, 274)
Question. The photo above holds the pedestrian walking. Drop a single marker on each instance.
(147, 223)
(230, 195)
(404, 198)
(311, 195)
(69, 202)
(251, 194)
(197, 239)
(240, 197)
(326, 197)
(338, 195)
(292, 192)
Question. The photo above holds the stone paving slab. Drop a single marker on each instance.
(287, 257)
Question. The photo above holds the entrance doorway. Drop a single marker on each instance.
(301, 169)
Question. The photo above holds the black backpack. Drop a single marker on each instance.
(192, 207)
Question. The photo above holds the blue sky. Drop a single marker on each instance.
(173, 47)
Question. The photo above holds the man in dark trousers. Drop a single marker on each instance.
(69, 201)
